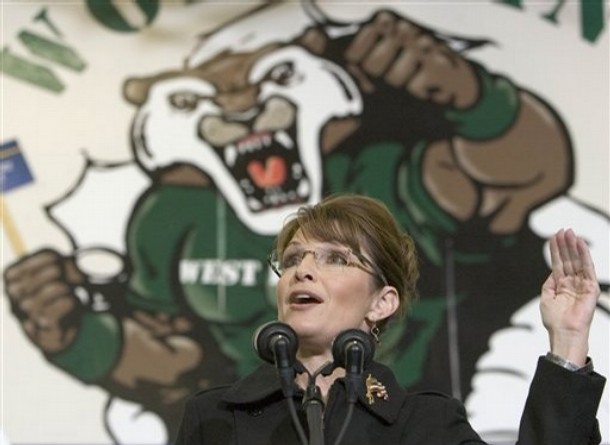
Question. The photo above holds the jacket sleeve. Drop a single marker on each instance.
(561, 407)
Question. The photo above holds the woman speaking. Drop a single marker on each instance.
(346, 269)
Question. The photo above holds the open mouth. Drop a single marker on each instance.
(304, 299)
(268, 169)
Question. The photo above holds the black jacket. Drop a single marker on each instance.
(560, 410)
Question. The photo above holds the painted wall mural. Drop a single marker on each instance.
(151, 151)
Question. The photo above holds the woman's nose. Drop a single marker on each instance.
(307, 268)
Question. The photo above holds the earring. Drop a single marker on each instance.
(375, 332)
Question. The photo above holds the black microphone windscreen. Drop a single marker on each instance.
(350, 338)
(267, 335)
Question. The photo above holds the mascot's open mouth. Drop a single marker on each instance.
(267, 167)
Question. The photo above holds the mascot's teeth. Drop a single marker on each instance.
(230, 155)
(282, 138)
(246, 186)
(254, 143)
(276, 199)
(254, 204)
(303, 189)
(297, 171)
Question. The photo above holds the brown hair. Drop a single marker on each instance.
(360, 221)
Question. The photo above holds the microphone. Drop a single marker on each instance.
(277, 343)
(353, 349)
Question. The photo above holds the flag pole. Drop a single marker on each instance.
(11, 229)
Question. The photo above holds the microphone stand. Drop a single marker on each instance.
(314, 408)
(286, 372)
(313, 404)
(353, 379)
(277, 343)
(352, 349)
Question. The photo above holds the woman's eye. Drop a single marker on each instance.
(336, 259)
(291, 259)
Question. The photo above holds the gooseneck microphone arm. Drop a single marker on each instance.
(353, 350)
(277, 343)
(284, 362)
(314, 408)
(313, 404)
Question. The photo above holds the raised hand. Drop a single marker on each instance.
(569, 297)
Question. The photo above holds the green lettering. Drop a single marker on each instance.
(552, 16)
(53, 51)
(29, 72)
(591, 17)
(43, 17)
(112, 17)
(515, 3)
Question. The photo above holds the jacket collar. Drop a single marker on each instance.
(389, 409)
(263, 384)
(255, 387)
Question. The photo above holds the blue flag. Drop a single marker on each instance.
(14, 170)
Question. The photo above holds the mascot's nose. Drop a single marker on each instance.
(238, 101)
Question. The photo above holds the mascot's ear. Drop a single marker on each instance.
(315, 40)
(135, 89)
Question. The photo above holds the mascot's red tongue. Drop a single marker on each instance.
(272, 173)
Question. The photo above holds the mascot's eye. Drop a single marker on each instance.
(184, 100)
(282, 74)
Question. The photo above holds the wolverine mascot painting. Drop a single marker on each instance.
(275, 110)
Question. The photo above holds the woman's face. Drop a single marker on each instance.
(321, 301)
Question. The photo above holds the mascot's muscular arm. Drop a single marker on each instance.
(146, 357)
(507, 152)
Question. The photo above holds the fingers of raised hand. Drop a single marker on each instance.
(586, 260)
(570, 256)
(573, 270)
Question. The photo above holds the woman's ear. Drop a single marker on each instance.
(384, 304)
